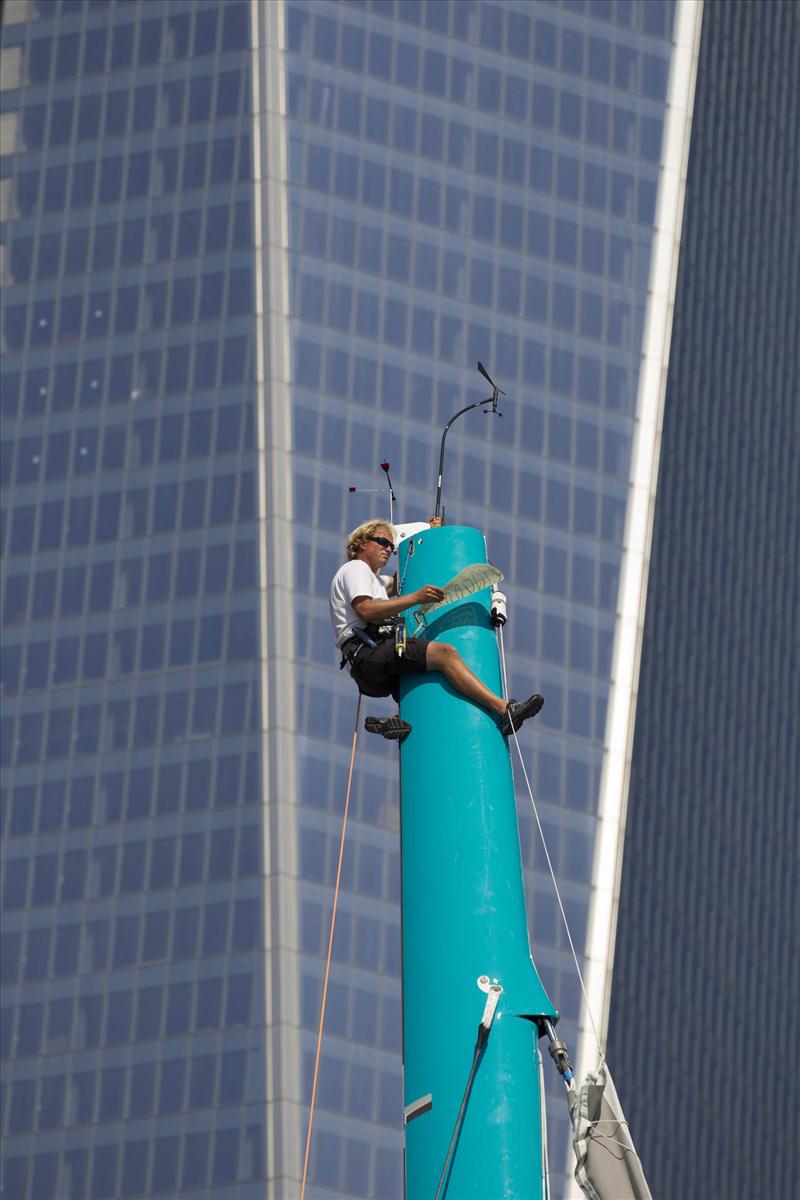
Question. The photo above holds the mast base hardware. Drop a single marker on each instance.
(418, 1107)
(394, 729)
(519, 711)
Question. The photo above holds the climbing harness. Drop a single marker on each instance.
(330, 949)
(364, 635)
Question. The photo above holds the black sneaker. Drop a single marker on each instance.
(519, 711)
(394, 729)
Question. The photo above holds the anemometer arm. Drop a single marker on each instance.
(496, 393)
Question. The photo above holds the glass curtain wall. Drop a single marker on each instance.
(714, 783)
(131, 782)
(467, 181)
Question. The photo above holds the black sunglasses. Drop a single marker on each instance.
(382, 542)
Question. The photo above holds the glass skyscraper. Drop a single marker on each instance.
(705, 975)
(133, 848)
(465, 181)
(250, 250)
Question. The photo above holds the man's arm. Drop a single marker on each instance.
(375, 611)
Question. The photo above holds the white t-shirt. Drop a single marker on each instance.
(353, 579)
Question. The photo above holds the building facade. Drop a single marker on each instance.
(133, 850)
(248, 252)
(709, 898)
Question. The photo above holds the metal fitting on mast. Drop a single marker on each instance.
(558, 1052)
(498, 613)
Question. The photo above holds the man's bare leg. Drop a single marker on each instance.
(445, 658)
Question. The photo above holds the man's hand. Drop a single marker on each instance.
(427, 594)
(376, 611)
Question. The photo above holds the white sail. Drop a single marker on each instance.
(607, 1165)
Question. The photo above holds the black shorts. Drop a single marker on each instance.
(377, 669)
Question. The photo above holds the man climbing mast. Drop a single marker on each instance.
(363, 603)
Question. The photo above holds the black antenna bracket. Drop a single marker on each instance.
(493, 401)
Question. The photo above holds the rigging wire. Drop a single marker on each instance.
(330, 949)
(600, 1050)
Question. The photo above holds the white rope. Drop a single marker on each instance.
(600, 1050)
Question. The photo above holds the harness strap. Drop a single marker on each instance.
(363, 636)
(369, 635)
(352, 648)
(349, 652)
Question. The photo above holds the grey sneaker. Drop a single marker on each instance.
(519, 711)
(394, 729)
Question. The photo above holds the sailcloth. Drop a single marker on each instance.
(607, 1165)
(473, 578)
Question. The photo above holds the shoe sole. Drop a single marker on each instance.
(394, 729)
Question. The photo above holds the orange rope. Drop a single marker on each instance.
(330, 948)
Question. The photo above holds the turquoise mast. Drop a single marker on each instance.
(463, 908)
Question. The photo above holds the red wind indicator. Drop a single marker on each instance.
(385, 466)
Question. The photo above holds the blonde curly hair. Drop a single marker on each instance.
(356, 539)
